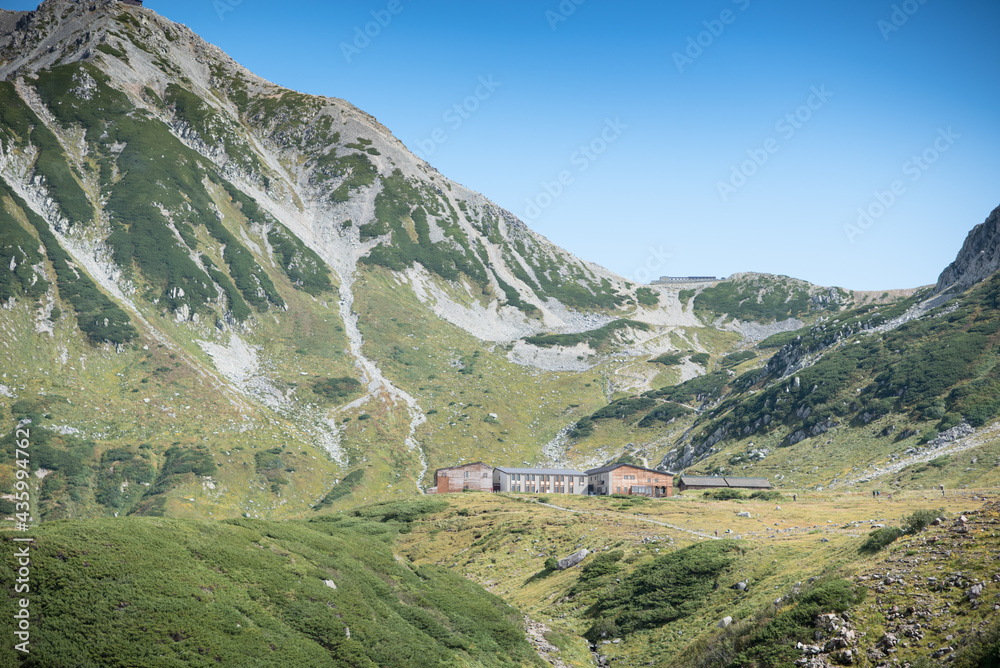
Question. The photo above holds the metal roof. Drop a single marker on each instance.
(703, 481)
(504, 469)
(748, 482)
(462, 466)
(612, 467)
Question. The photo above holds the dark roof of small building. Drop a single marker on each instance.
(462, 466)
(703, 481)
(506, 469)
(748, 482)
(612, 467)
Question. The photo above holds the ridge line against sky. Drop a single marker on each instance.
(848, 144)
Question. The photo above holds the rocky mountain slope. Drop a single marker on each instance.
(978, 260)
(896, 394)
(249, 295)
(257, 302)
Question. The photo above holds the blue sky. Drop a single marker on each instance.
(720, 136)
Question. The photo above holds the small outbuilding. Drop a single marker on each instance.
(748, 483)
(686, 482)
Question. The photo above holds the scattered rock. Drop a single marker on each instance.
(572, 560)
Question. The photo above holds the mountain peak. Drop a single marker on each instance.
(978, 260)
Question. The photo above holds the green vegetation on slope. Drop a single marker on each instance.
(671, 587)
(769, 641)
(401, 210)
(141, 592)
(18, 254)
(97, 316)
(941, 368)
(598, 339)
(19, 127)
(761, 299)
(157, 193)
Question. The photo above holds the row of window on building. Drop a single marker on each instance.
(613, 479)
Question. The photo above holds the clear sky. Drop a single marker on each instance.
(720, 136)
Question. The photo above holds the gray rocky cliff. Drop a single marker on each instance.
(978, 260)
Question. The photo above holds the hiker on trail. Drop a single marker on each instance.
(873, 493)
(795, 497)
(942, 490)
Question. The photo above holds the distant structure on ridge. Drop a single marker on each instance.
(663, 280)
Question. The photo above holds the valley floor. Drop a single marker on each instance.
(503, 542)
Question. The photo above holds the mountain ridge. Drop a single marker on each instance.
(284, 260)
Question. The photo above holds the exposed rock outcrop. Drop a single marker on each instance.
(978, 260)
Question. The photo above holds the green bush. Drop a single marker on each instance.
(647, 297)
(584, 428)
(701, 358)
(337, 389)
(981, 650)
(664, 413)
(597, 339)
(624, 408)
(342, 489)
(734, 359)
(771, 640)
(724, 494)
(920, 520)
(879, 538)
(668, 359)
(672, 587)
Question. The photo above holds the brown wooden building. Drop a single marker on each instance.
(630, 479)
(476, 477)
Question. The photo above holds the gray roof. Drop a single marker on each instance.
(748, 482)
(462, 466)
(540, 471)
(703, 481)
(612, 467)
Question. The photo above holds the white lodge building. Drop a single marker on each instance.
(540, 481)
